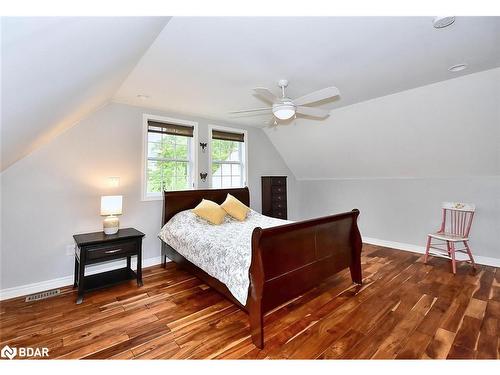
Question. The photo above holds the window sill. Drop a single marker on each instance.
(158, 197)
(152, 198)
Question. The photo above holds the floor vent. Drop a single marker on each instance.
(43, 295)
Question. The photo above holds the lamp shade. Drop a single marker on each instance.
(111, 205)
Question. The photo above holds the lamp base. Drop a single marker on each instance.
(111, 224)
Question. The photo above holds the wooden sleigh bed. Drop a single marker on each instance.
(287, 260)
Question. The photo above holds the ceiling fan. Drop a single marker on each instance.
(284, 108)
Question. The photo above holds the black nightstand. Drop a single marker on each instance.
(98, 247)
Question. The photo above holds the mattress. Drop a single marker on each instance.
(223, 251)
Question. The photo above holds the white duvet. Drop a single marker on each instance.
(223, 251)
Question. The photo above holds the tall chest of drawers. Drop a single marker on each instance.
(274, 196)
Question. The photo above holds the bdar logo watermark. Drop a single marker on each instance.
(23, 352)
(8, 352)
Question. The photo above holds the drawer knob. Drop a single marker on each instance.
(112, 251)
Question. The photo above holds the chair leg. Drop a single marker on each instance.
(451, 251)
(470, 254)
(427, 249)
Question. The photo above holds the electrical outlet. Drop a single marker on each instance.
(70, 249)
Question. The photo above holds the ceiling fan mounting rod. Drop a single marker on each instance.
(283, 83)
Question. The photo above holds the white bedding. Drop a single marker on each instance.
(223, 251)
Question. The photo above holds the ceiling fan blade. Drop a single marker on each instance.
(266, 94)
(314, 112)
(316, 96)
(250, 110)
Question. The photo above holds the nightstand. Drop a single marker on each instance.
(97, 247)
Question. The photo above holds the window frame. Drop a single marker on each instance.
(192, 152)
(244, 152)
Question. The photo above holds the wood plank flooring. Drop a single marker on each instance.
(405, 309)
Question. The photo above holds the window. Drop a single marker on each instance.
(227, 157)
(169, 159)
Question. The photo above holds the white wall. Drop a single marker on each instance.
(54, 192)
(406, 209)
(61, 69)
(396, 158)
(450, 128)
(390, 157)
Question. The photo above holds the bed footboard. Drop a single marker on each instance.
(290, 259)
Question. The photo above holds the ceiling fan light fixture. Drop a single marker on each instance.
(285, 108)
(284, 111)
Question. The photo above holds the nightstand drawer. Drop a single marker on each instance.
(111, 250)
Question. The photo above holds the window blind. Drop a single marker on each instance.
(227, 136)
(172, 129)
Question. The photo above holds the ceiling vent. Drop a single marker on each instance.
(457, 68)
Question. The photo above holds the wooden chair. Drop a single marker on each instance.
(455, 228)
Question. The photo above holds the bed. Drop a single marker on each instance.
(285, 259)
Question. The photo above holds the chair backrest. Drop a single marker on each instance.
(457, 218)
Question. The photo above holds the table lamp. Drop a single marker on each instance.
(111, 205)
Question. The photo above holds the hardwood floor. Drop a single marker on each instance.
(405, 309)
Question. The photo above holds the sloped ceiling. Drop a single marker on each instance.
(57, 70)
(446, 129)
(208, 66)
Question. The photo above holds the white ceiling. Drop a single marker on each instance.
(57, 70)
(208, 66)
(446, 129)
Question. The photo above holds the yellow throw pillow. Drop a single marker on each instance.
(210, 211)
(235, 208)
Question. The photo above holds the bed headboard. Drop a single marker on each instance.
(177, 201)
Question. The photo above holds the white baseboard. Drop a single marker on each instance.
(495, 262)
(60, 282)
